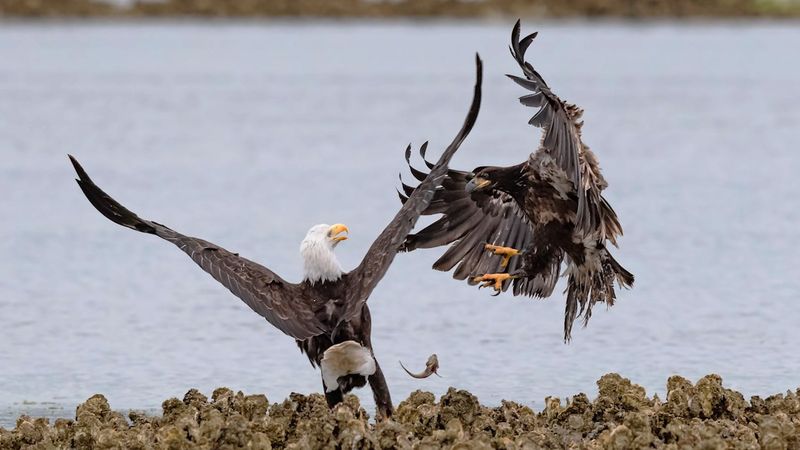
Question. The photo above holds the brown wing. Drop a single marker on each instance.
(561, 124)
(468, 222)
(278, 301)
(363, 279)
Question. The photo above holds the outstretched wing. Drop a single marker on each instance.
(561, 124)
(468, 222)
(363, 279)
(265, 292)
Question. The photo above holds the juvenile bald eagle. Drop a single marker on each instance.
(533, 215)
(326, 313)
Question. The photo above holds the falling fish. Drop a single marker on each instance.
(431, 366)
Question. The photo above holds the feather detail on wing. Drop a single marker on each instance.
(278, 301)
(363, 279)
(468, 223)
(561, 124)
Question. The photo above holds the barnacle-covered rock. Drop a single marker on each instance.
(513, 419)
(195, 398)
(389, 434)
(716, 401)
(617, 396)
(700, 415)
(28, 432)
(777, 432)
(458, 404)
(419, 413)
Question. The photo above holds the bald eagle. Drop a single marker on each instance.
(514, 226)
(326, 313)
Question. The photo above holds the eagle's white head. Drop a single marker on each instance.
(319, 262)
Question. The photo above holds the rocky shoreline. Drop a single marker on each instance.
(700, 415)
(403, 8)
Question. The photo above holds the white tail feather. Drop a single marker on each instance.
(346, 358)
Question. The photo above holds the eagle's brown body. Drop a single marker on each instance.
(328, 302)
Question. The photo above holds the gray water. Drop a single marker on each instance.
(247, 134)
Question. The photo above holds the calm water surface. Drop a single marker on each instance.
(248, 134)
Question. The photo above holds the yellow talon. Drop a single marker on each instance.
(494, 280)
(505, 252)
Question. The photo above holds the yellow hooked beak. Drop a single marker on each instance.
(337, 229)
(476, 183)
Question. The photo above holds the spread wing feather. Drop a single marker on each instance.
(278, 301)
(561, 124)
(468, 222)
(363, 279)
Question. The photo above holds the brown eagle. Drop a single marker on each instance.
(326, 313)
(515, 226)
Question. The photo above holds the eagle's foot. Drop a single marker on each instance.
(495, 280)
(505, 252)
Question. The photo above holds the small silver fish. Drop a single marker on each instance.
(431, 367)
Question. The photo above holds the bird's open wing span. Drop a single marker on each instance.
(561, 124)
(265, 292)
(363, 279)
(468, 222)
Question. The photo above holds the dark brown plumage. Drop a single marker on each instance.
(536, 214)
(317, 315)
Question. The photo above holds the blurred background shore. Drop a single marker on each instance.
(400, 8)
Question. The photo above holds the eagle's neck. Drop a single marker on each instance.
(319, 262)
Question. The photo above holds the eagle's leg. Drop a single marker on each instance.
(380, 391)
(333, 397)
(506, 252)
(495, 280)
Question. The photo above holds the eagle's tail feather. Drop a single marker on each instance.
(591, 282)
(624, 278)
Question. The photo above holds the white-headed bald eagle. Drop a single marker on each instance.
(534, 215)
(326, 313)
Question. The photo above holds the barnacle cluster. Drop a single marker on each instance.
(700, 415)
